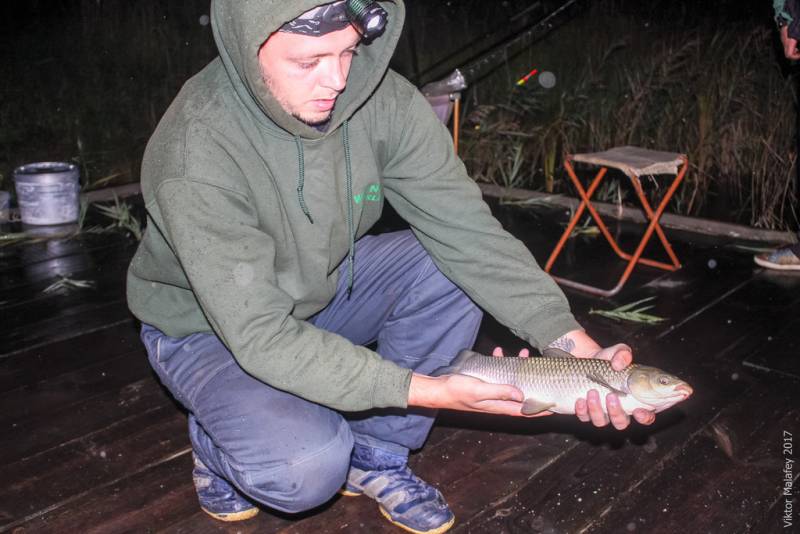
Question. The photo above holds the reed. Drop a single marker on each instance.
(716, 94)
(632, 312)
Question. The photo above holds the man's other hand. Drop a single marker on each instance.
(591, 410)
(789, 45)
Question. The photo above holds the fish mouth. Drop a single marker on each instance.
(680, 393)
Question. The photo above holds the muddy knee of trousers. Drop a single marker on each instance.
(306, 480)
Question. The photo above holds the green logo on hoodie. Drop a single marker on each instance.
(372, 193)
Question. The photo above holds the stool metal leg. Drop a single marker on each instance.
(578, 212)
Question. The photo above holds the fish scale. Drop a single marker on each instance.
(543, 375)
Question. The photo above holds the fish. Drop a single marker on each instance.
(554, 381)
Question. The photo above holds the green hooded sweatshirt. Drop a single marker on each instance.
(232, 183)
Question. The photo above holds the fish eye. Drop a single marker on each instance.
(663, 380)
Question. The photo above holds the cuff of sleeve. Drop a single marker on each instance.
(547, 327)
(391, 386)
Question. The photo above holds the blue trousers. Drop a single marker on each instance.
(292, 454)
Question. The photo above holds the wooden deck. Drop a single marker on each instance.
(91, 442)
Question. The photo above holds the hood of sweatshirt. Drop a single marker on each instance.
(240, 28)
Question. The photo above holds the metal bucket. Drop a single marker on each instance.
(48, 193)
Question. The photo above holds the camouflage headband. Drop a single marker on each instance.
(319, 20)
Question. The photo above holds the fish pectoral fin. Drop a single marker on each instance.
(456, 365)
(598, 380)
(532, 406)
(552, 352)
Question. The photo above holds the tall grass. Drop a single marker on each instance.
(716, 94)
(89, 80)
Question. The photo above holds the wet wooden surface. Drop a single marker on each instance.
(91, 442)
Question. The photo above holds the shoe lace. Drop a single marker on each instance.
(404, 481)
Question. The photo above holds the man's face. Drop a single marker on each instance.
(306, 73)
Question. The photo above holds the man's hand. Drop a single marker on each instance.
(524, 353)
(464, 393)
(590, 409)
(789, 45)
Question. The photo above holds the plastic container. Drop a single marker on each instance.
(5, 206)
(48, 192)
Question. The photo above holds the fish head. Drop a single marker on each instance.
(657, 388)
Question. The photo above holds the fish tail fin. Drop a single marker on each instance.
(456, 365)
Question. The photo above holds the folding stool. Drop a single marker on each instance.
(634, 162)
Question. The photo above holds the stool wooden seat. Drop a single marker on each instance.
(633, 162)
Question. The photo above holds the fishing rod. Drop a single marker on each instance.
(518, 21)
(464, 76)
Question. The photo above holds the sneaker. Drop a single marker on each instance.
(217, 497)
(403, 498)
(783, 259)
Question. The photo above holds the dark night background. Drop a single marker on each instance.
(87, 81)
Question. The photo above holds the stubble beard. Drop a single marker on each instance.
(287, 107)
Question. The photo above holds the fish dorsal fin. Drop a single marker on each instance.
(597, 379)
(532, 406)
(552, 352)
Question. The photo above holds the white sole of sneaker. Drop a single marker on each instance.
(775, 266)
(233, 517)
(438, 530)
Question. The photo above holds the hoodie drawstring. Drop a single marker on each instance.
(301, 178)
(349, 192)
(349, 187)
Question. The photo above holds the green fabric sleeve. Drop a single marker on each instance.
(429, 187)
(227, 261)
(780, 9)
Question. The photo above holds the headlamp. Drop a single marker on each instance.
(368, 18)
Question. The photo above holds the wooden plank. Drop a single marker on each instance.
(122, 505)
(109, 283)
(34, 319)
(33, 262)
(77, 320)
(779, 351)
(26, 437)
(200, 523)
(104, 272)
(668, 220)
(47, 481)
(69, 389)
(27, 367)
